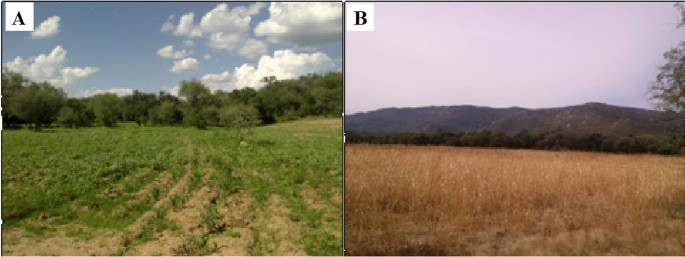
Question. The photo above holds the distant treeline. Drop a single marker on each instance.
(37, 105)
(556, 139)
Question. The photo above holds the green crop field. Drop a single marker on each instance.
(276, 190)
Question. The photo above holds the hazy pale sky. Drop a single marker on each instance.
(532, 55)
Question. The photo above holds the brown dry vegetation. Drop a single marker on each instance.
(411, 200)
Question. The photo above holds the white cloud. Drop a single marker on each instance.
(225, 28)
(253, 49)
(186, 64)
(47, 28)
(168, 25)
(228, 41)
(207, 57)
(18, 65)
(285, 64)
(189, 43)
(186, 26)
(304, 24)
(246, 76)
(175, 91)
(71, 74)
(172, 90)
(50, 68)
(117, 91)
(169, 53)
(223, 19)
(223, 81)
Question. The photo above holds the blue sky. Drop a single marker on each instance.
(153, 46)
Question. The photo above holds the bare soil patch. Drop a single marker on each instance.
(17, 241)
(278, 231)
(238, 217)
(315, 201)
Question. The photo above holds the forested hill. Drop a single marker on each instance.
(586, 118)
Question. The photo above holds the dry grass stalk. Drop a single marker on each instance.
(409, 200)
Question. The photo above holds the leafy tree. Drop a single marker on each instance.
(242, 96)
(210, 114)
(500, 139)
(166, 113)
(12, 83)
(669, 87)
(197, 96)
(107, 108)
(240, 117)
(523, 139)
(137, 107)
(626, 145)
(39, 103)
(323, 94)
(76, 114)
(68, 117)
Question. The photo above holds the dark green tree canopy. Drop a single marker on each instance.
(12, 82)
(279, 100)
(198, 97)
(75, 114)
(39, 103)
(107, 107)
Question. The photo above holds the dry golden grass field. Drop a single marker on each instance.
(417, 200)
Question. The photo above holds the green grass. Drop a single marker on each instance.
(285, 156)
(93, 176)
(64, 173)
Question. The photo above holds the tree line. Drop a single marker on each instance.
(556, 139)
(39, 104)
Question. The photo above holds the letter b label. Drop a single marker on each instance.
(359, 17)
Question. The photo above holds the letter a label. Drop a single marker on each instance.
(18, 16)
(359, 17)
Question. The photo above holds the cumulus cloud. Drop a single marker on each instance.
(221, 81)
(71, 74)
(50, 68)
(186, 27)
(175, 91)
(47, 28)
(169, 52)
(172, 90)
(207, 57)
(253, 49)
(168, 25)
(189, 43)
(303, 24)
(228, 41)
(284, 64)
(117, 91)
(225, 28)
(223, 19)
(186, 64)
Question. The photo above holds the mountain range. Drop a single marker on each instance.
(586, 118)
